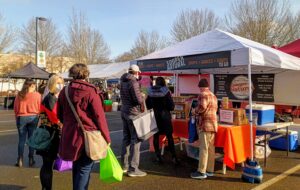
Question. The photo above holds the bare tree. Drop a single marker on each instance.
(127, 56)
(84, 44)
(269, 21)
(7, 34)
(191, 23)
(49, 39)
(147, 43)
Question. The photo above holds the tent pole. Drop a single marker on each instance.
(250, 103)
(7, 100)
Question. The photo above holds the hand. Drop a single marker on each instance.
(60, 125)
(142, 108)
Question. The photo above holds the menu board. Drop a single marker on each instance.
(236, 87)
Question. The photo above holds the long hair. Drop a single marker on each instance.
(25, 88)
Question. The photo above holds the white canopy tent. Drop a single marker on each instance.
(245, 57)
(105, 71)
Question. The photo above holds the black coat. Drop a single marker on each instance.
(160, 99)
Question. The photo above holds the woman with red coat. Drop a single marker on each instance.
(86, 101)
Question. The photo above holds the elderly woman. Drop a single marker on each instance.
(48, 118)
(84, 97)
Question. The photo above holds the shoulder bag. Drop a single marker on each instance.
(94, 143)
(145, 124)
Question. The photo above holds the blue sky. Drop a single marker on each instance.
(119, 21)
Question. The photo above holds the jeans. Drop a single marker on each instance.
(81, 172)
(130, 156)
(26, 126)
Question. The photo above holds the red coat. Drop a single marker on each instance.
(87, 103)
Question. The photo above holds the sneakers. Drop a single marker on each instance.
(136, 173)
(209, 174)
(125, 170)
(198, 175)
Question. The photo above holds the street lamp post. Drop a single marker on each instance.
(36, 36)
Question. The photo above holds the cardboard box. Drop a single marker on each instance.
(233, 116)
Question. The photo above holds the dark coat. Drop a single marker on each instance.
(130, 95)
(87, 103)
(48, 117)
(160, 99)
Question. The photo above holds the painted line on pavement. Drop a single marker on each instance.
(14, 130)
(118, 131)
(7, 121)
(119, 157)
(7, 131)
(277, 178)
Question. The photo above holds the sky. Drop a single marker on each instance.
(119, 21)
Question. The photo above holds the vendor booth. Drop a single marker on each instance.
(30, 70)
(105, 71)
(237, 67)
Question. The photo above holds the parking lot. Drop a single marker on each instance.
(282, 172)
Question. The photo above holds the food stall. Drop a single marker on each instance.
(222, 53)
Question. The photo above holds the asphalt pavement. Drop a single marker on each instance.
(281, 173)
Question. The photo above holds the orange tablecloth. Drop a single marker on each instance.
(234, 139)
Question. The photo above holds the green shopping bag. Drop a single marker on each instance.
(110, 169)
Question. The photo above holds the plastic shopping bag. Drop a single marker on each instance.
(62, 165)
(110, 169)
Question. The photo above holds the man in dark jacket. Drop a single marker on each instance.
(132, 105)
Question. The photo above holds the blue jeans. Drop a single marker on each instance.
(130, 156)
(26, 126)
(81, 172)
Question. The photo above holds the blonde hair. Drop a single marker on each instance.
(52, 83)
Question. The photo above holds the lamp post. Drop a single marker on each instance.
(36, 36)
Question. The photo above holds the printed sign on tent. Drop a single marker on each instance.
(200, 61)
(236, 87)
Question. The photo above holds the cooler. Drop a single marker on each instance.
(265, 113)
(280, 143)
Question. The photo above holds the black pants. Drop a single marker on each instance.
(46, 173)
(170, 144)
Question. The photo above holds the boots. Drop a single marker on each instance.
(31, 161)
(19, 162)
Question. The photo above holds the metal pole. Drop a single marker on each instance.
(36, 39)
(250, 103)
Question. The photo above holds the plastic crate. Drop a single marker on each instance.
(192, 151)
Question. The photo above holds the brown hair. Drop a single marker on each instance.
(160, 81)
(79, 71)
(203, 83)
(25, 88)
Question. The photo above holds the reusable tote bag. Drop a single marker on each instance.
(110, 169)
(62, 165)
(145, 124)
(94, 143)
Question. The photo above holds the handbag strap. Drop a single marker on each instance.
(73, 109)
